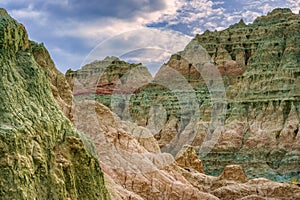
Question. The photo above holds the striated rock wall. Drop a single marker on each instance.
(61, 89)
(233, 184)
(259, 65)
(135, 168)
(42, 156)
(257, 121)
(262, 119)
(131, 158)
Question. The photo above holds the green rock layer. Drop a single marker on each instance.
(41, 155)
(258, 70)
(265, 98)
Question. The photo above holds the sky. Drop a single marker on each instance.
(73, 30)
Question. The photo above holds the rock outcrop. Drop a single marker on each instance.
(262, 118)
(234, 173)
(256, 122)
(135, 168)
(61, 89)
(233, 184)
(232, 94)
(187, 158)
(139, 167)
(42, 156)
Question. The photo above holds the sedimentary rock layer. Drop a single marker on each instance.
(247, 109)
(42, 156)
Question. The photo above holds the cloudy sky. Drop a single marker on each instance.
(71, 29)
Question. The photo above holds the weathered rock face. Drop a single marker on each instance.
(103, 77)
(259, 64)
(262, 120)
(60, 87)
(233, 184)
(130, 157)
(110, 81)
(257, 121)
(41, 155)
(135, 168)
(187, 158)
(234, 173)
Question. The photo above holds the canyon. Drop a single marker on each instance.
(239, 85)
(225, 126)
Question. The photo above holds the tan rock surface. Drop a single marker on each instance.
(234, 173)
(150, 175)
(187, 158)
(225, 187)
(138, 171)
(265, 189)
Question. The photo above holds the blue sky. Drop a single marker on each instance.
(71, 29)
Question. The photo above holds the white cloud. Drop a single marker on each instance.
(166, 41)
(29, 13)
(66, 59)
(192, 11)
(294, 5)
(262, 7)
(193, 16)
(98, 30)
(104, 28)
(148, 56)
(26, 14)
(249, 16)
(95, 32)
(171, 10)
(219, 3)
(266, 8)
(197, 15)
(197, 30)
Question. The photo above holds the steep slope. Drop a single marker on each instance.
(130, 157)
(262, 121)
(257, 121)
(135, 168)
(61, 89)
(109, 81)
(259, 64)
(41, 155)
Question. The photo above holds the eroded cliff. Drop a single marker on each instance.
(262, 121)
(42, 156)
(253, 97)
(259, 65)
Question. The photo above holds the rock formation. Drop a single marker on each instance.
(262, 119)
(247, 110)
(135, 168)
(187, 158)
(61, 89)
(224, 187)
(130, 157)
(258, 65)
(42, 156)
